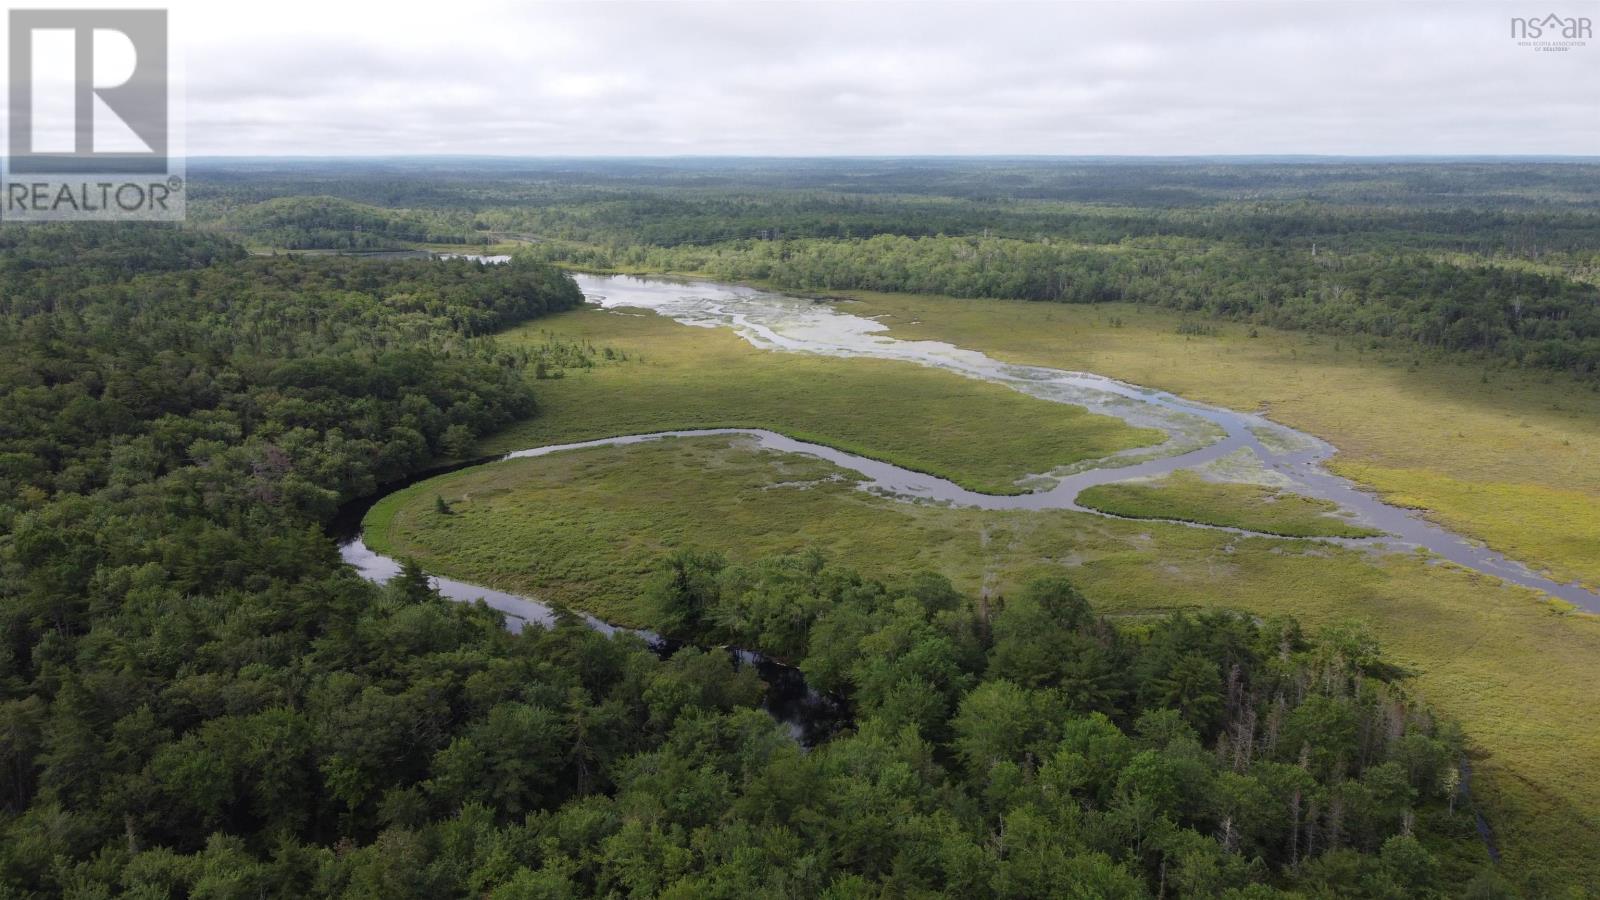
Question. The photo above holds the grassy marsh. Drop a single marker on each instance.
(982, 436)
(1510, 457)
(1186, 497)
(1503, 456)
(584, 527)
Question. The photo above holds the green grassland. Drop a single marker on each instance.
(1186, 497)
(584, 527)
(1509, 457)
(667, 376)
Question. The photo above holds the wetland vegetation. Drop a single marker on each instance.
(1187, 497)
(198, 699)
(586, 527)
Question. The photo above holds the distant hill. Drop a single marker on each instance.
(329, 223)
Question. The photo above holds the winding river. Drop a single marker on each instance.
(1196, 436)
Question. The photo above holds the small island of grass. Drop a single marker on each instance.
(1187, 497)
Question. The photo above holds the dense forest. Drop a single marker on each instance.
(177, 422)
(1157, 183)
(1494, 260)
(1522, 210)
(329, 223)
(198, 699)
(1522, 318)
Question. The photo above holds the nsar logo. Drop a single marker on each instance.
(1553, 33)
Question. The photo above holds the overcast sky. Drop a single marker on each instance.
(333, 77)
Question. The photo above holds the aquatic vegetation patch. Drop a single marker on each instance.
(1185, 496)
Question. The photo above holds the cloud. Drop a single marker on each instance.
(882, 78)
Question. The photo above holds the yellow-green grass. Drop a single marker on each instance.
(1186, 497)
(1509, 457)
(1550, 523)
(495, 248)
(980, 435)
(1513, 670)
(584, 527)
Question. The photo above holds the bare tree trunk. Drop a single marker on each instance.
(1229, 837)
(1335, 835)
(1294, 831)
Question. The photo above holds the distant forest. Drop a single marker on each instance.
(198, 699)
(1494, 259)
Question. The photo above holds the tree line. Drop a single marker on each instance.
(331, 223)
(1494, 259)
(197, 699)
(1501, 313)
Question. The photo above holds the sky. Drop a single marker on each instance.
(808, 79)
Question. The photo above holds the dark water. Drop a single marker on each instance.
(811, 717)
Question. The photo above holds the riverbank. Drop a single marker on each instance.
(675, 377)
(586, 527)
(583, 527)
(1505, 456)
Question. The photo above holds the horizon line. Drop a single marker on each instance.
(887, 157)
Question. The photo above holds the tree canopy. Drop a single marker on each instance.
(197, 699)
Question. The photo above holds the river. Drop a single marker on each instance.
(1196, 435)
